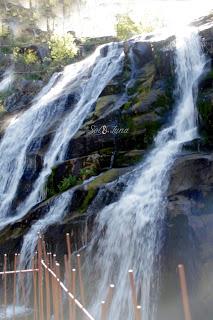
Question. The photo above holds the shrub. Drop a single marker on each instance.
(87, 172)
(28, 57)
(126, 27)
(62, 48)
(67, 183)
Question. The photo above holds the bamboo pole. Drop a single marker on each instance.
(40, 280)
(54, 301)
(139, 313)
(134, 294)
(60, 293)
(74, 293)
(56, 291)
(70, 295)
(5, 286)
(35, 302)
(184, 292)
(103, 310)
(68, 246)
(68, 282)
(109, 299)
(14, 286)
(23, 293)
(80, 279)
(47, 284)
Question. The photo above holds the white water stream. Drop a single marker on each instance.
(133, 225)
(7, 80)
(88, 77)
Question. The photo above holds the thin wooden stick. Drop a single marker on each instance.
(35, 302)
(53, 282)
(80, 279)
(109, 299)
(134, 293)
(184, 292)
(70, 295)
(68, 246)
(139, 315)
(103, 310)
(14, 287)
(68, 282)
(74, 293)
(23, 293)
(40, 280)
(60, 293)
(47, 284)
(57, 299)
(5, 286)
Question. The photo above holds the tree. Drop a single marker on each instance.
(126, 27)
(62, 48)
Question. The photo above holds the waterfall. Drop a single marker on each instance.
(128, 232)
(85, 79)
(7, 81)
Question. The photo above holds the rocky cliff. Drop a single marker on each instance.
(114, 138)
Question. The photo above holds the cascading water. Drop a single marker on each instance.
(88, 77)
(132, 227)
(91, 76)
(8, 78)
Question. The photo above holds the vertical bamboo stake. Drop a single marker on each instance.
(109, 299)
(56, 284)
(14, 287)
(60, 293)
(40, 280)
(54, 300)
(139, 315)
(69, 271)
(5, 286)
(23, 293)
(68, 281)
(80, 279)
(103, 310)
(184, 292)
(134, 293)
(74, 293)
(68, 246)
(47, 283)
(35, 303)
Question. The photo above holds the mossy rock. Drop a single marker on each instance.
(93, 187)
(103, 104)
(125, 159)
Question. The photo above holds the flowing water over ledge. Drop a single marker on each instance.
(129, 232)
(132, 226)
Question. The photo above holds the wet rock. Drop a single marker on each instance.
(23, 95)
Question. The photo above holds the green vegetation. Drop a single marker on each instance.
(126, 27)
(57, 185)
(87, 172)
(62, 48)
(67, 183)
(28, 57)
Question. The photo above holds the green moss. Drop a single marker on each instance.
(87, 172)
(152, 129)
(209, 75)
(87, 200)
(51, 189)
(106, 151)
(205, 107)
(124, 159)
